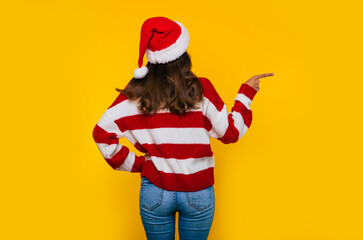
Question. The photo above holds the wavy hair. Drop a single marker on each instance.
(170, 86)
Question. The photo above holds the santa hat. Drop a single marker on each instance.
(163, 40)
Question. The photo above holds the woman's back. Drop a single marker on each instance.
(179, 155)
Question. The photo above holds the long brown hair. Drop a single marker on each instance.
(171, 85)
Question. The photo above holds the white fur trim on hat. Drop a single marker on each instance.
(173, 51)
(140, 72)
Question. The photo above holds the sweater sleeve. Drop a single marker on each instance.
(227, 127)
(106, 134)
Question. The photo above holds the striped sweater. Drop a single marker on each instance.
(177, 152)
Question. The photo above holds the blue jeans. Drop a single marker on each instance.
(158, 208)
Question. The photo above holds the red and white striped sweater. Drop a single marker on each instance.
(178, 152)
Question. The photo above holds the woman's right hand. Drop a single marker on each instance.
(255, 80)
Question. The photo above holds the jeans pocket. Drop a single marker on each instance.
(151, 196)
(202, 199)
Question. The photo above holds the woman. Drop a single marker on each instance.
(169, 113)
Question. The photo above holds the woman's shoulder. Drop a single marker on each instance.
(208, 88)
(204, 80)
(119, 99)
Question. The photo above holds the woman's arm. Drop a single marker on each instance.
(228, 127)
(106, 134)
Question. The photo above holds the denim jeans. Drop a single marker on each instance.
(158, 208)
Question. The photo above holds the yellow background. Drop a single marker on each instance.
(295, 175)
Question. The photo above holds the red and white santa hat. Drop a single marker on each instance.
(163, 40)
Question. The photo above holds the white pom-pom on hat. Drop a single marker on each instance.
(141, 72)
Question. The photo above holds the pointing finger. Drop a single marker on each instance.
(265, 75)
